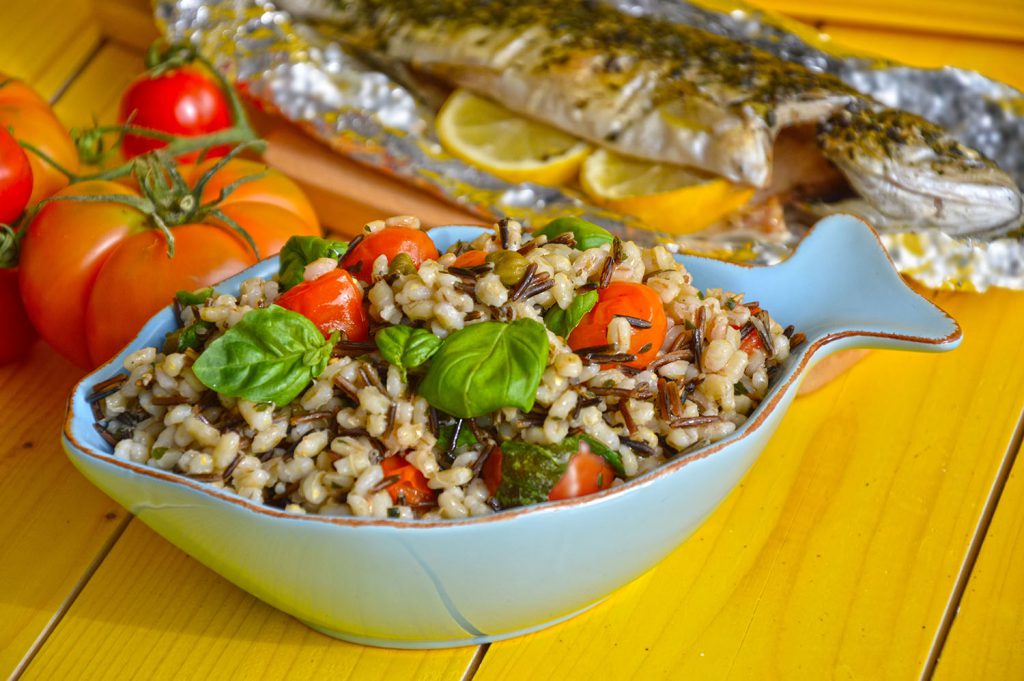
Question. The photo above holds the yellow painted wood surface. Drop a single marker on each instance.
(45, 41)
(835, 558)
(53, 523)
(986, 18)
(96, 91)
(152, 612)
(838, 554)
(987, 637)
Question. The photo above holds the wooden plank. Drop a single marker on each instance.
(129, 22)
(56, 524)
(152, 612)
(49, 40)
(838, 554)
(54, 521)
(96, 92)
(990, 19)
(987, 637)
(995, 59)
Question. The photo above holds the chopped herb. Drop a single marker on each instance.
(194, 297)
(394, 512)
(700, 294)
(740, 389)
(158, 452)
(730, 304)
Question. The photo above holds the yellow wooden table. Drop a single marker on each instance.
(881, 534)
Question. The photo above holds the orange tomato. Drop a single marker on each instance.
(411, 486)
(388, 242)
(628, 299)
(92, 273)
(32, 120)
(470, 259)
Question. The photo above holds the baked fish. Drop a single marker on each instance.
(670, 93)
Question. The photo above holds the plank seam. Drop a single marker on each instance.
(973, 551)
(73, 76)
(474, 664)
(97, 560)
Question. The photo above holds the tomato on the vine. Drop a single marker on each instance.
(184, 101)
(92, 272)
(31, 120)
(333, 302)
(388, 242)
(15, 178)
(18, 335)
(622, 298)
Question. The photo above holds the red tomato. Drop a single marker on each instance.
(183, 101)
(15, 178)
(411, 484)
(752, 342)
(33, 121)
(333, 302)
(111, 266)
(388, 242)
(630, 299)
(585, 474)
(470, 259)
(18, 334)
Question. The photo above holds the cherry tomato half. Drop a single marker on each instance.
(629, 299)
(184, 101)
(586, 473)
(388, 242)
(18, 333)
(15, 178)
(333, 302)
(470, 259)
(411, 488)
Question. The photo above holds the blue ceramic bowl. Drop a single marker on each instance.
(424, 584)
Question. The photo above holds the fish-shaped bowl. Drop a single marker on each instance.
(427, 584)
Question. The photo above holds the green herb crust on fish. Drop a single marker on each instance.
(676, 94)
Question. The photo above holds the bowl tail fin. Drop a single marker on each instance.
(856, 293)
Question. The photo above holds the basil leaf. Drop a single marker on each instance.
(587, 234)
(199, 297)
(193, 335)
(299, 251)
(564, 321)
(406, 347)
(487, 366)
(444, 436)
(271, 355)
(603, 451)
(528, 472)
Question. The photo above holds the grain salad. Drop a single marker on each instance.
(381, 378)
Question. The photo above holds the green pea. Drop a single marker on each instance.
(509, 266)
(402, 264)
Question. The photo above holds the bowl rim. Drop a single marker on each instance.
(748, 428)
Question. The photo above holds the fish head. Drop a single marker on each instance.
(911, 174)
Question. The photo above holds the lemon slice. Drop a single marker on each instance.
(514, 148)
(666, 197)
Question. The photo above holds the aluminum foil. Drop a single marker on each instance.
(368, 112)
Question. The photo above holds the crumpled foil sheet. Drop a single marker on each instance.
(364, 111)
